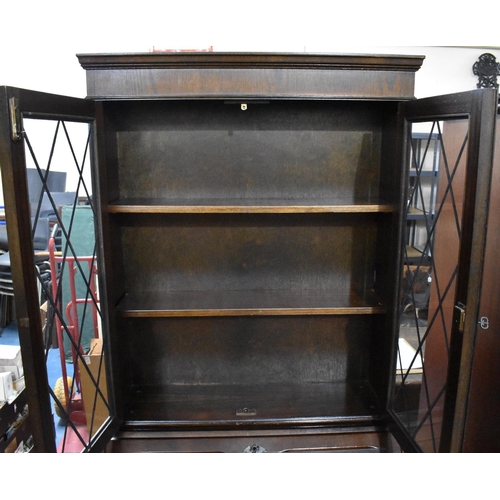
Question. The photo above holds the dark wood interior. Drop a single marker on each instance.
(209, 370)
(248, 243)
(280, 150)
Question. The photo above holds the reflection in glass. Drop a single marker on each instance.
(63, 214)
(434, 213)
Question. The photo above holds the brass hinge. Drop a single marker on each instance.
(15, 120)
(461, 321)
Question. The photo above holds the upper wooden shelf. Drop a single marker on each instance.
(332, 205)
(208, 75)
(248, 303)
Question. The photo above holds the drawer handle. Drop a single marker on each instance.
(254, 448)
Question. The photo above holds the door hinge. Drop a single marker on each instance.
(461, 320)
(15, 120)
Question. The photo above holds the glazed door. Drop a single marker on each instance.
(449, 162)
(53, 264)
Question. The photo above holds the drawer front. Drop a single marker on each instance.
(294, 441)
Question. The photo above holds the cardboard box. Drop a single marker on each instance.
(6, 386)
(89, 391)
(11, 361)
(43, 316)
(19, 384)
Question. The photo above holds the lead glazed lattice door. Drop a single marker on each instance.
(48, 160)
(442, 268)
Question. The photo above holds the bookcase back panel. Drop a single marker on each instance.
(214, 150)
(248, 252)
(243, 351)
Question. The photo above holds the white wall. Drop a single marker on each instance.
(39, 40)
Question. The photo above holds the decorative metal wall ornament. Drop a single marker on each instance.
(487, 69)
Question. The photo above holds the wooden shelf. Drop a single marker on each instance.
(10, 416)
(248, 303)
(321, 403)
(237, 205)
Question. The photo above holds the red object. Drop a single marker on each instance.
(74, 404)
(71, 442)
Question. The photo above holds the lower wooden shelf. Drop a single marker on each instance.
(323, 403)
(248, 302)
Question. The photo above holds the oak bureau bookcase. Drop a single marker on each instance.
(252, 225)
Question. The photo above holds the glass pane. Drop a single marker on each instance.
(62, 211)
(434, 217)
